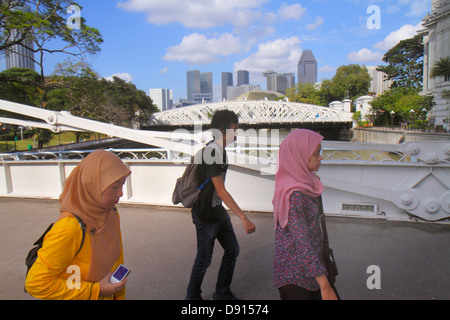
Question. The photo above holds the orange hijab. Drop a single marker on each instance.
(82, 195)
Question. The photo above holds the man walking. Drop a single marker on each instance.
(210, 217)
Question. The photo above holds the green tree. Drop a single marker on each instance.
(305, 93)
(20, 85)
(46, 23)
(85, 95)
(405, 63)
(441, 69)
(349, 82)
(400, 101)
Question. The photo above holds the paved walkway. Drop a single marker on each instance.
(159, 247)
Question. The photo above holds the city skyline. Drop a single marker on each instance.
(153, 45)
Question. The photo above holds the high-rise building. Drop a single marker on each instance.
(279, 82)
(206, 86)
(19, 55)
(307, 68)
(379, 83)
(243, 77)
(227, 81)
(163, 98)
(193, 83)
(199, 86)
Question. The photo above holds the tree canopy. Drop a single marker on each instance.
(350, 82)
(41, 26)
(405, 63)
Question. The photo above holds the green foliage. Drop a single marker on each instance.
(441, 69)
(401, 101)
(305, 93)
(350, 82)
(405, 63)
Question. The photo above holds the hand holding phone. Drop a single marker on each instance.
(120, 274)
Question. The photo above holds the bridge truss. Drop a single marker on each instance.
(252, 112)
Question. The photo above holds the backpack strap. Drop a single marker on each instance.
(83, 230)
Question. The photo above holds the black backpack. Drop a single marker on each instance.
(32, 254)
(188, 187)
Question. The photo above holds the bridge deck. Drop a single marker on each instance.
(159, 247)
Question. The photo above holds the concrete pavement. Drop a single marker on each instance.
(159, 248)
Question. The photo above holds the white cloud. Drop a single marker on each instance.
(194, 13)
(405, 32)
(327, 68)
(365, 55)
(280, 55)
(123, 75)
(294, 11)
(164, 70)
(198, 49)
(319, 21)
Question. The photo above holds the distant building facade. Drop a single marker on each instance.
(199, 86)
(18, 55)
(379, 83)
(279, 82)
(243, 77)
(234, 92)
(307, 68)
(436, 40)
(227, 81)
(162, 98)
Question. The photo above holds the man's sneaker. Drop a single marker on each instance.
(227, 296)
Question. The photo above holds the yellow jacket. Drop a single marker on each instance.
(54, 274)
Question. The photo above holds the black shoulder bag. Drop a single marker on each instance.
(328, 257)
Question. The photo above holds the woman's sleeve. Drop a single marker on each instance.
(53, 276)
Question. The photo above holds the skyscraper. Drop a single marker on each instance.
(163, 98)
(279, 82)
(243, 77)
(307, 68)
(206, 85)
(193, 83)
(199, 86)
(18, 55)
(227, 81)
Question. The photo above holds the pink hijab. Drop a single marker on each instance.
(293, 173)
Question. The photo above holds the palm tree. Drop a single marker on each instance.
(441, 69)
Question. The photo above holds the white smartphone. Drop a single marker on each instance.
(119, 274)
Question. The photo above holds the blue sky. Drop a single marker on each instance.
(152, 43)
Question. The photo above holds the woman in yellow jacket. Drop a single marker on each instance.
(91, 192)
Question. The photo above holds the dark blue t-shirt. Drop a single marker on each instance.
(209, 206)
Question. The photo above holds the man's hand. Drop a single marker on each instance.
(249, 227)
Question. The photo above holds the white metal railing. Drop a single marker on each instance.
(394, 182)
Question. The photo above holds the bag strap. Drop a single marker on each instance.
(83, 230)
(322, 221)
